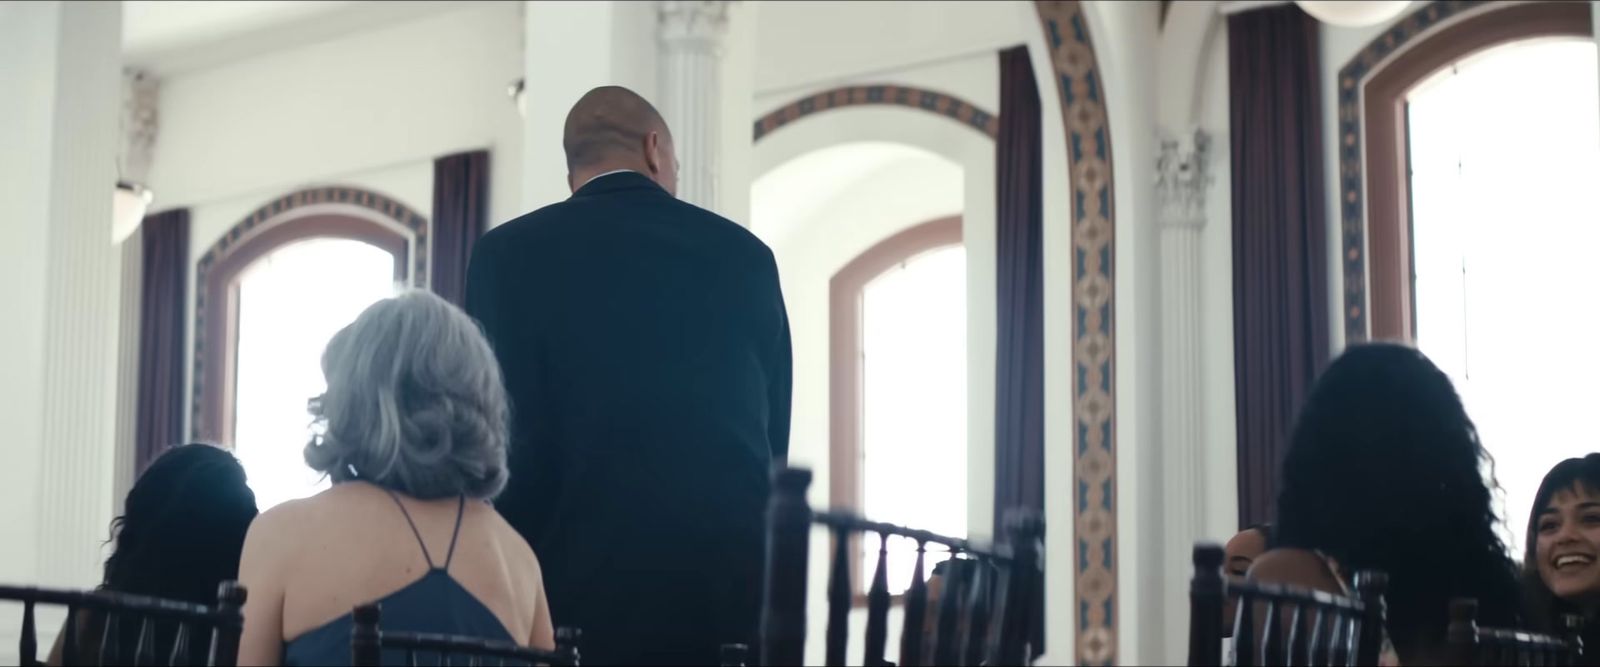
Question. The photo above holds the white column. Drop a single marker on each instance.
(81, 300)
(1181, 184)
(692, 33)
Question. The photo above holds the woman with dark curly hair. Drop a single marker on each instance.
(1561, 565)
(1385, 472)
(180, 535)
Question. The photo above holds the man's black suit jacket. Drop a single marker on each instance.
(645, 348)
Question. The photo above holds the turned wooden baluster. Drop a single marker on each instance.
(977, 614)
(839, 599)
(916, 612)
(878, 608)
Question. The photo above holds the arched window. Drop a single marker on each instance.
(1504, 151)
(898, 391)
(270, 295)
(1374, 142)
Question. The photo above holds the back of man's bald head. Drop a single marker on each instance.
(609, 125)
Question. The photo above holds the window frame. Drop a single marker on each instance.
(1390, 299)
(845, 381)
(217, 311)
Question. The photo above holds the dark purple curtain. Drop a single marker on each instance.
(1019, 362)
(1019, 353)
(460, 216)
(1280, 281)
(159, 422)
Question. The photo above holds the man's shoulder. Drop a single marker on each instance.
(727, 230)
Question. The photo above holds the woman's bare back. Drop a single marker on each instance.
(316, 559)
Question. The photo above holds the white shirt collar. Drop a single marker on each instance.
(600, 176)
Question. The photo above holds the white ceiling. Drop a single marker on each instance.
(165, 36)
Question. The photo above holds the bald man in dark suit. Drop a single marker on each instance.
(645, 346)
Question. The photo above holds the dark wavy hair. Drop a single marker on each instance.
(180, 535)
(1544, 608)
(1385, 472)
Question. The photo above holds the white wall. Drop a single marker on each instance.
(396, 96)
(370, 110)
(807, 45)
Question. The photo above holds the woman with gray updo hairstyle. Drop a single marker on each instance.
(414, 403)
(414, 419)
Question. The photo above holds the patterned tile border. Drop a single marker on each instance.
(1352, 188)
(933, 102)
(1077, 74)
(1081, 86)
(254, 222)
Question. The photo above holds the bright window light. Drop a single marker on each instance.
(290, 303)
(914, 411)
(1505, 159)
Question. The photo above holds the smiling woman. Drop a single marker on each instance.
(1563, 545)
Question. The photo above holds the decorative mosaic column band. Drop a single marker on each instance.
(1088, 136)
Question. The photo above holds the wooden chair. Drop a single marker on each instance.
(984, 615)
(1312, 627)
(368, 642)
(1472, 645)
(117, 614)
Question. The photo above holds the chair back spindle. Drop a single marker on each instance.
(1471, 644)
(28, 644)
(364, 635)
(144, 652)
(911, 634)
(840, 598)
(1024, 583)
(230, 624)
(983, 614)
(180, 646)
(734, 655)
(945, 650)
(783, 618)
(1205, 607)
(976, 615)
(878, 609)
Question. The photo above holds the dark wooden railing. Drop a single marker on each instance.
(113, 612)
(368, 642)
(984, 613)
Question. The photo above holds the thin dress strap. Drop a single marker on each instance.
(461, 508)
(416, 532)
